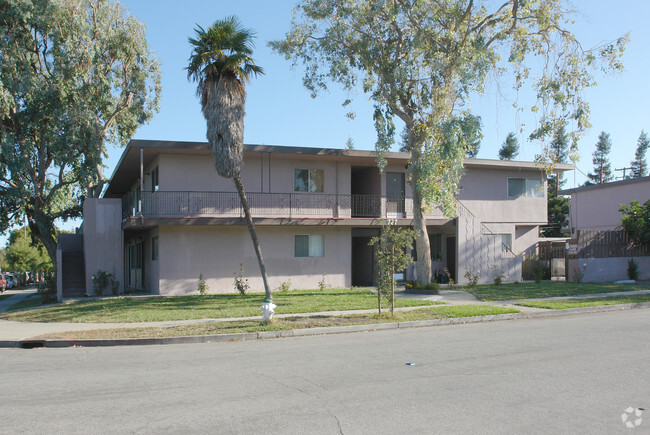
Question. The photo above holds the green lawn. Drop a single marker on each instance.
(148, 309)
(588, 302)
(439, 312)
(545, 289)
(4, 297)
(32, 301)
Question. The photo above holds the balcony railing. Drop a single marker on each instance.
(267, 205)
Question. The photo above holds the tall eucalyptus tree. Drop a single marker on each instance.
(421, 61)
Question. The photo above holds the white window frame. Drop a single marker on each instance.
(311, 246)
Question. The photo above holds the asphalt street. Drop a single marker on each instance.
(573, 374)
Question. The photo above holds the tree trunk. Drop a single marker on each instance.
(423, 265)
(392, 280)
(253, 233)
(49, 242)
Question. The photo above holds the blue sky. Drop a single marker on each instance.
(281, 112)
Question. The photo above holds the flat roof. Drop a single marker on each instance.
(128, 167)
(604, 185)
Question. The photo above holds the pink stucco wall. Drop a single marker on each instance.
(217, 251)
(597, 209)
(102, 235)
(195, 172)
(485, 193)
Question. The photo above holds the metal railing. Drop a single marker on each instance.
(272, 205)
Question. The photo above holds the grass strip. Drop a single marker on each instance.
(587, 302)
(545, 289)
(32, 301)
(162, 308)
(439, 312)
(5, 297)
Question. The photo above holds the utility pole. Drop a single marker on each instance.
(624, 170)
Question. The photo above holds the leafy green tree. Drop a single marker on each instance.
(639, 164)
(636, 221)
(25, 253)
(472, 132)
(3, 260)
(221, 64)
(602, 167)
(74, 75)
(558, 206)
(421, 61)
(510, 148)
(391, 258)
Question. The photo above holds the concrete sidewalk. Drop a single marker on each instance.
(11, 331)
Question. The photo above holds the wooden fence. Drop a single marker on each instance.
(608, 244)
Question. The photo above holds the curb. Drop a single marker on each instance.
(264, 335)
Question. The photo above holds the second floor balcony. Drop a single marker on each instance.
(170, 204)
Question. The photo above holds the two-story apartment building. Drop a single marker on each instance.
(167, 217)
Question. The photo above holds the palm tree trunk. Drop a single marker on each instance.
(251, 230)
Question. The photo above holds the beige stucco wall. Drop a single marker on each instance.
(102, 233)
(216, 252)
(597, 209)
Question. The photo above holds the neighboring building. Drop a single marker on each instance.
(601, 250)
(595, 207)
(167, 217)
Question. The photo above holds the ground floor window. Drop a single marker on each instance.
(309, 245)
(506, 242)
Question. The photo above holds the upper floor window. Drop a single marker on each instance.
(308, 180)
(524, 187)
(154, 180)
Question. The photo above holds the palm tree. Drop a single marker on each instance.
(221, 64)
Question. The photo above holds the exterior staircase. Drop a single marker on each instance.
(73, 270)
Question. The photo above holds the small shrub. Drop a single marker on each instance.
(47, 289)
(497, 275)
(578, 274)
(472, 278)
(632, 269)
(202, 287)
(321, 284)
(103, 280)
(285, 286)
(535, 269)
(432, 286)
(414, 284)
(241, 284)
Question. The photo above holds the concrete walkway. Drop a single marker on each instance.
(16, 331)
